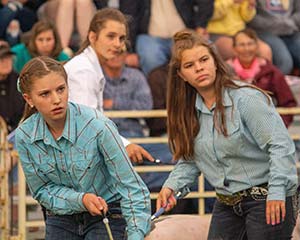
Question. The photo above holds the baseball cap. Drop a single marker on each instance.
(5, 51)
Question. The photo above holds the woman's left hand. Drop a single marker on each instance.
(275, 211)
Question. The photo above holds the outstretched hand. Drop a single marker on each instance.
(136, 153)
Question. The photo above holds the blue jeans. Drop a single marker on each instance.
(153, 51)
(285, 49)
(84, 226)
(246, 220)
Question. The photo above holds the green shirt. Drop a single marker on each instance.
(23, 56)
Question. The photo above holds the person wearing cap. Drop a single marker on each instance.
(11, 101)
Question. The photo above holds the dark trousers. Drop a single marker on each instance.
(247, 220)
(84, 226)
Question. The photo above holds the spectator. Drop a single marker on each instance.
(155, 21)
(11, 101)
(70, 15)
(17, 16)
(44, 41)
(256, 70)
(278, 24)
(230, 17)
(125, 89)
(107, 35)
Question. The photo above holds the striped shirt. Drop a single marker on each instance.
(89, 157)
(258, 148)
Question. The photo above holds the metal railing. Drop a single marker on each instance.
(4, 194)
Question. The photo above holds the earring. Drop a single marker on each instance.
(31, 106)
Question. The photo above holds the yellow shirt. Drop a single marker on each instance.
(230, 17)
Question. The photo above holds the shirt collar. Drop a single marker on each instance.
(202, 107)
(92, 56)
(41, 130)
(116, 81)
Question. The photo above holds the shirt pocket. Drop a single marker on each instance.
(48, 169)
(85, 172)
(230, 145)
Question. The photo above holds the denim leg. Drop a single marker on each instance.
(153, 51)
(281, 54)
(258, 229)
(62, 227)
(293, 44)
(85, 226)
(225, 223)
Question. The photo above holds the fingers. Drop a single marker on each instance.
(94, 204)
(136, 153)
(147, 155)
(171, 203)
(165, 199)
(102, 205)
(275, 212)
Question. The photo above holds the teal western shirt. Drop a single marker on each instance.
(89, 157)
(258, 149)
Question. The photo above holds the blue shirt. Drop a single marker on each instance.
(258, 148)
(129, 92)
(89, 157)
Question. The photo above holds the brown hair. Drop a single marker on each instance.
(247, 31)
(99, 20)
(39, 27)
(37, 68)
(183, 123)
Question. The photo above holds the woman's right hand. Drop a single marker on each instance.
(94, 204)
(166, 199)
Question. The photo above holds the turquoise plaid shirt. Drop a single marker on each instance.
(258, 149)
(89, 157)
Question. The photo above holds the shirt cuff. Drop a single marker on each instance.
(125, 141)
(171, 186)
(276, 193)
(80, 198)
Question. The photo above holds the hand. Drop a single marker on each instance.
(274, 209)
(136, 153)
(166, 199)
(94, 204)
(132, 60)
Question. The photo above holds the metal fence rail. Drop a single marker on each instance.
(4, 196)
